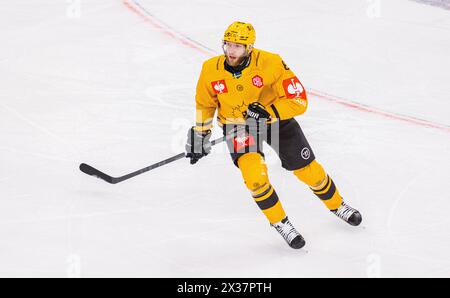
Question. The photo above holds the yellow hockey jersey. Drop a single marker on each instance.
(267, 80)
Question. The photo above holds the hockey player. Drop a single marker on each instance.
(257, 97)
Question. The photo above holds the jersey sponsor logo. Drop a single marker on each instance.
(293, 88)
(219, 87)
(243, 141)
(257, 81)
(301, 101)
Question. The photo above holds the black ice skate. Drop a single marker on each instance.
(289, 233)
(348, 214)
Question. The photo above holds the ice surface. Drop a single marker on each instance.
(111, 83)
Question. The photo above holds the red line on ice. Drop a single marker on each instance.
(150, 19)
(363, 108)
(344, 102)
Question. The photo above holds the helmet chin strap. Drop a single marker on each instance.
(248, 49)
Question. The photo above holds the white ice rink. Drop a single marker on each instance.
(112, 83)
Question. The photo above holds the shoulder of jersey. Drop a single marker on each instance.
(267, 58)
(212, 63)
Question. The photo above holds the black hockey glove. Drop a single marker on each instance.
(198, 144)
(257, 117)
(257, 111)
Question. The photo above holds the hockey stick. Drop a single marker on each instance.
(87, 169)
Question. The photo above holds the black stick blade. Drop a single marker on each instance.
(87, 169)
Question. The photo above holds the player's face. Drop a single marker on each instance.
(235, 52)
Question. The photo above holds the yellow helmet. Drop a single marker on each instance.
(240, 32)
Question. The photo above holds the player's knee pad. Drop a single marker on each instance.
(254, 172)
(313, 174)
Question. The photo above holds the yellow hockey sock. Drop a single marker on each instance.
(321, 184)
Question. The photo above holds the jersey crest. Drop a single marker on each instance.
(257, 81)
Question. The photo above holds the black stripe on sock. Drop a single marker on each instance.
(329, 194)
(323, 188)
(269, 202)
(263, 194)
